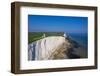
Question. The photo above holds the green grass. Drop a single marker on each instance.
(34, 36)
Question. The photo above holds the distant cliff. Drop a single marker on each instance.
(53, 47)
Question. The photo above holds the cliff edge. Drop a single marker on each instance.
(54, 47)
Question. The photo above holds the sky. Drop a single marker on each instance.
(48, 23)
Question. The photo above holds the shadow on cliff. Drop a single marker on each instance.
(71, 55)
(71, 52)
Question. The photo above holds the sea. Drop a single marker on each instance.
(81, 38)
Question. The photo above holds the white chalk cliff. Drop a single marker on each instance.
(53, 47)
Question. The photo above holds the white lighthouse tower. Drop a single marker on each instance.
(65, 35)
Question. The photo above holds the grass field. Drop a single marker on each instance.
(34, 36)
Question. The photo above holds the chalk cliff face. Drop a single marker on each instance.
(49, 47)
(53, 47)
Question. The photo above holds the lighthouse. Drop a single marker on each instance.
(65, 35)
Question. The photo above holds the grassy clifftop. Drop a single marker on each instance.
(34, 36)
